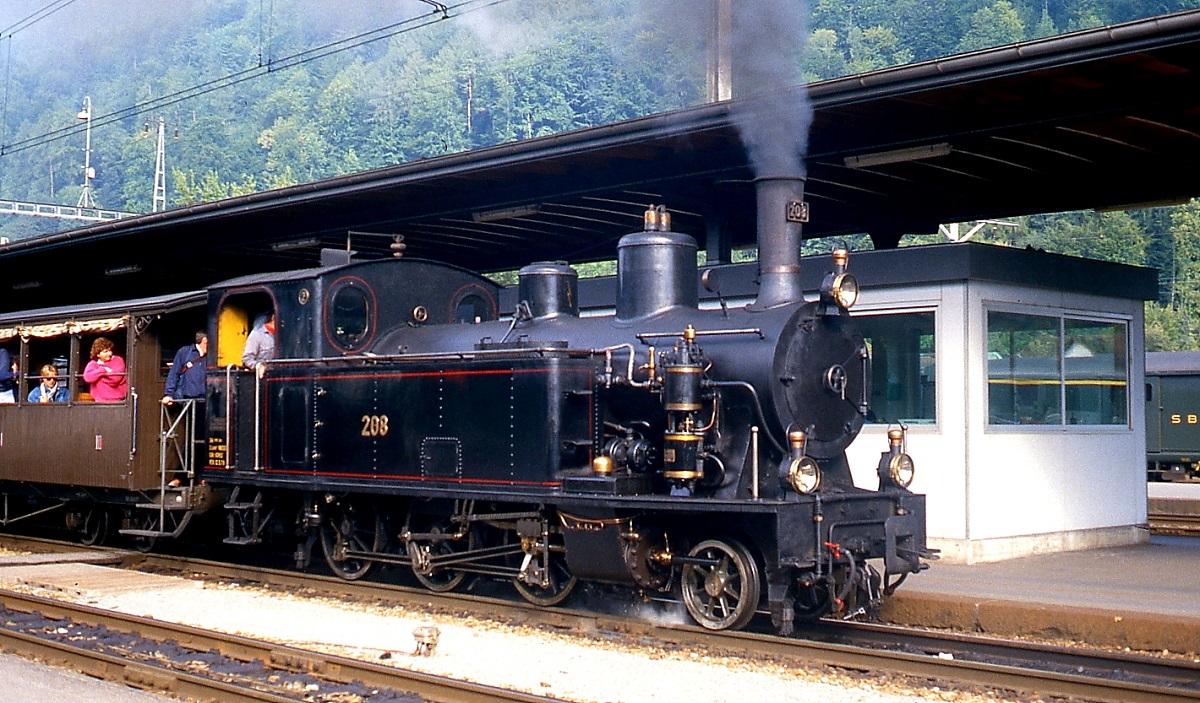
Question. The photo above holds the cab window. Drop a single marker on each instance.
(350, 315)
(349, 318)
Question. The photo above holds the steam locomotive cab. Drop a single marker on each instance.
(277, 417)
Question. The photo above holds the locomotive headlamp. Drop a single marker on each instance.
(896, 467)
(804, 474)
(901, 470)
(845, 290)
(840, 286)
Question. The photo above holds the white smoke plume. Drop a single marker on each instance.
(767, 40)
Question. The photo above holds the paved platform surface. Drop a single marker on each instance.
(1144, 597)
(89, 580)
(83, 557)
(1176, 499)
(1173, 491)
(27, 681)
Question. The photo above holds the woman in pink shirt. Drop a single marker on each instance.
(105, 373)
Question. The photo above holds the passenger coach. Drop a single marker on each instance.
(101, 464)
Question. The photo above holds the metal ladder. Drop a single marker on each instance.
(170, 513)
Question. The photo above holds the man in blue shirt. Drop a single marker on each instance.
(8, 377)
(185, 380)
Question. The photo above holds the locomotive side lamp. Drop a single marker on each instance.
(840, 286)
(896, 467)
(803, 472)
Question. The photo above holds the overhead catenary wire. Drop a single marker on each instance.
(34, 18)
(259, 71)
(7, 34)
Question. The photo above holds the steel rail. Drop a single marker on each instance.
(116, 670)
(868, 656)
(273, 656)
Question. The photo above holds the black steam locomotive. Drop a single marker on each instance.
(661, 447)
(693, 453)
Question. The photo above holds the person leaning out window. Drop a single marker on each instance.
(105, 373)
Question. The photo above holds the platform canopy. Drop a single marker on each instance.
(1107, 118)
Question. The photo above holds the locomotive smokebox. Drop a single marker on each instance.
(656, 269)
(781, 211)
(551, 288)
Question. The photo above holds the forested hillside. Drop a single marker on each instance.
(258, 94)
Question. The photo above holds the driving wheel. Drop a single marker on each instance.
(350, 531)
(434, 540)
(545, 579)
(721, 585)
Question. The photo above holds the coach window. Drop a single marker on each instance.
(903, 367)
(1056, 370)
(117, 337)
(53, 351)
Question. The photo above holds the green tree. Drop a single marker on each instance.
(190, 190)
(292, 144)
(1185, 233)
(993, 25)
(874, 48)
(1107, 236)
(930, 28)
(823, 59)
(1170, 329)
(1044, 27)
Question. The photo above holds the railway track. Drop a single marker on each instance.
(202, 665)
(962, 659)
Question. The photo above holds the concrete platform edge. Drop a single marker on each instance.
(1102, 628)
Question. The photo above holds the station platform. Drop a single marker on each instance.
(1173, 506)
(1144, 597)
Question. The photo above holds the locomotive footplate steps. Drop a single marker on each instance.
(170, 514)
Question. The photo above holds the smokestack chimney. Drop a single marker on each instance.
(781, 210)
